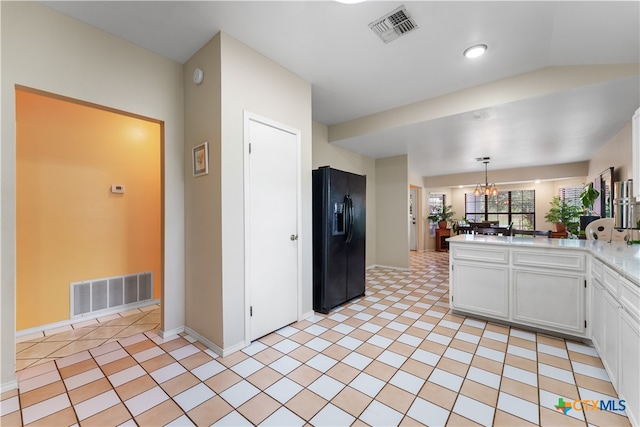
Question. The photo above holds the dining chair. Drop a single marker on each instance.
(600, 229)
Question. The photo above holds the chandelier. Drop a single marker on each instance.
(486, 189)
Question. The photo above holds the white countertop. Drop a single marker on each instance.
(623, 258)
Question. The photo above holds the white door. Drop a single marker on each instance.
(271, 226)
(413, 226)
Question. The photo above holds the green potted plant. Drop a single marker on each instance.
(588, 197)
(442, 216)
(563, 215)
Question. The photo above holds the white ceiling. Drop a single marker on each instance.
(354, 74)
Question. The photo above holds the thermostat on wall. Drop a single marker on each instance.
(115, 188)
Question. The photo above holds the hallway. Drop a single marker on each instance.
(396, 356)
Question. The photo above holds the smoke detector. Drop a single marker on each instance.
(393, 25)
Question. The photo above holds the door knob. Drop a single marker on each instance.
(294, 237)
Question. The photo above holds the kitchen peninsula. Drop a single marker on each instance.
(584, 289)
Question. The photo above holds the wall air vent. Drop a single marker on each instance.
(93, 296)
(393, 25)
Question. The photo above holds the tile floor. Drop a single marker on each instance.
(394, 357)
(37, 348)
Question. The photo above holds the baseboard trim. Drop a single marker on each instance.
(70, 322)
(217, 350)
(390, 267)
(233, 349)
(9, 385)
(166, 334)
(307, 315)
(223, 352)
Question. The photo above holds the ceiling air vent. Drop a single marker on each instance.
(393, 25)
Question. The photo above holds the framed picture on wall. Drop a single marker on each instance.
(606, 193)
(201, 159)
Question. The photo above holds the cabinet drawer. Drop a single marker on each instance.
(610, 280)
(596, 270)
(552, 259)
(630, 297)
(481, 253)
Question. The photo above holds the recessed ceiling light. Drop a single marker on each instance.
(475, 50)
(350, 1)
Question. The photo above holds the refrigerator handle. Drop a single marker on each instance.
(350, 218)
(347, 221)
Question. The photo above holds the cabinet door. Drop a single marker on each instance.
(629, 383)
(596, 323)
(635, 141)
(549, 299)
(480, 288)
(610, 337)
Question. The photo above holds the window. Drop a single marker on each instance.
(436, 202)
(518, 206)
(571, 195)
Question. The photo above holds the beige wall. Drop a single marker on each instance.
(550, 172)
(392, 212)
(551, 177)
(238, 79)
(203, 198)
(545, 191)
(616, 153)
(326, 154)
(48, 51)
(258, 85)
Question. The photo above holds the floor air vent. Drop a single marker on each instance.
(111, 293)
(393, 25)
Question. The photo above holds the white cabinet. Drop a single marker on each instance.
(629, 382)
(615, 317)
(610, 342)
(548, 288)
(635, 141)
(540, 288)
(481, 289)
(609, 351)
(629, 350)
(480, 280)
(596, 308)
(596, 320)
(549, 299)
(543, 285)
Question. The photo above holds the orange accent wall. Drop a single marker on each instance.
(70, 227)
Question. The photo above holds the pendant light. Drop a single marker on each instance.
(486, 189)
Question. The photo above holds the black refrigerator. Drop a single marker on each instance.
(339, 225)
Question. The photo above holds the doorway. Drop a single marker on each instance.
(89, 206)
(415, 213)
(272, 195)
